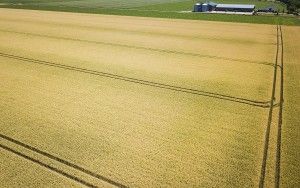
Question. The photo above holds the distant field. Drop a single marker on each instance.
(91, 3)
(174, 5)
(106, 3)
(187, 5)
(87, 100)
(153, 8)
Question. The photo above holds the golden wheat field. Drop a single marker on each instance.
(105, 101)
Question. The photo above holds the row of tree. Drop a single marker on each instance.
(293, 6)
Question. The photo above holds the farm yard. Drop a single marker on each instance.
(101, 100)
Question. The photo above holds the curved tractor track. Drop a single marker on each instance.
(262, 104)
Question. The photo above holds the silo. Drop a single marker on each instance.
(204, 7)
(197, 7)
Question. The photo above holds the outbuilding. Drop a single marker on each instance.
(267, 9)
(235, 8)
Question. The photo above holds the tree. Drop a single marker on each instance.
(293, 6)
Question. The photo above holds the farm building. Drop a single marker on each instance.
(215, 8)
(235, 8)
(270, 9)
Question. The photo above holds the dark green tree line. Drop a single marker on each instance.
(293, 6)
